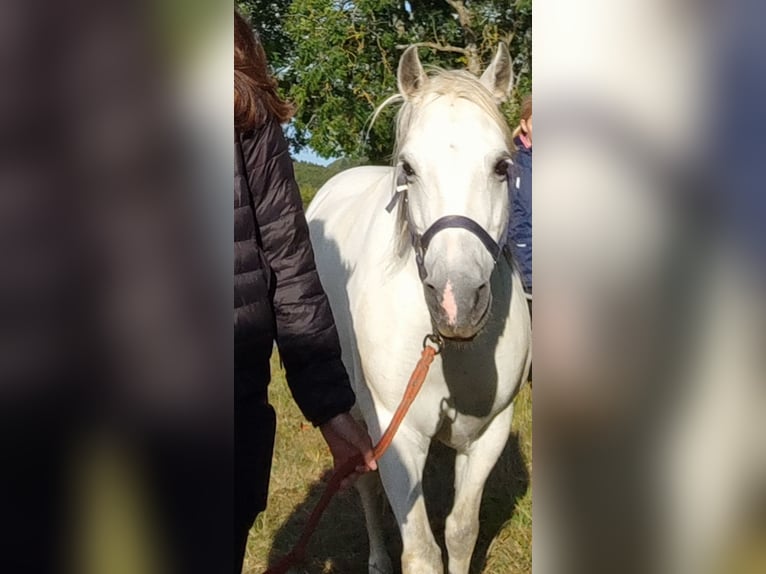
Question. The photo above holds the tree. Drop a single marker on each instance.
(337, 59)
(268, 18)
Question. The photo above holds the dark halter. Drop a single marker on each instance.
(421, 242)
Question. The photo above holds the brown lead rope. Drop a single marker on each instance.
(417, 378)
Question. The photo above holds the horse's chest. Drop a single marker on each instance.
(465, 410)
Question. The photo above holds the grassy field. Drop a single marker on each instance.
(339, 546)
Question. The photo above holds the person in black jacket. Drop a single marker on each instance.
(277, 296)
(520, 189)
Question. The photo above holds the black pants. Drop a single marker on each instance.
(254, 429)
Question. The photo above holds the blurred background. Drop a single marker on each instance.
(115, 289)
(649, 388)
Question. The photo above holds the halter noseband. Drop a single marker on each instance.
(421, 242)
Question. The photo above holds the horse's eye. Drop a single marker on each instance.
(407, 169)
(501, 167)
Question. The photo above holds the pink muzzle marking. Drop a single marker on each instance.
(449, 304)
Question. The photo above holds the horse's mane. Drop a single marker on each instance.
(456, 83)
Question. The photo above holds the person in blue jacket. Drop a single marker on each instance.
(520, 190)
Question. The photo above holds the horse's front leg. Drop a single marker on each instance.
(401, 470)
(472, 467)
(371, 495)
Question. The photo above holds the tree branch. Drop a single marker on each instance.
(435, 46)
(464, 16)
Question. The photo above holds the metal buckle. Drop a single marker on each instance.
(436, 340)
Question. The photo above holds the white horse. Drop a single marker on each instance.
(393, 276)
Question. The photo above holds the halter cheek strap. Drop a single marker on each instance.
(421, 242)
(401, 189)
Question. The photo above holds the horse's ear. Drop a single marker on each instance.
(411, 77)
(498, 77)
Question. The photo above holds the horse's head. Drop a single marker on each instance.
(453, 152)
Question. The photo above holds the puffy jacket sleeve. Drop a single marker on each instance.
(306, 334)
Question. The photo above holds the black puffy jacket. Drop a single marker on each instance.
(277, 292)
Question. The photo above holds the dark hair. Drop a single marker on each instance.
(255, 91)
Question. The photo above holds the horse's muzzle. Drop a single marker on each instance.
(458, 310)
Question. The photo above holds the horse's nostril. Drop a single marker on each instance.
(481, 294)
(431, 287)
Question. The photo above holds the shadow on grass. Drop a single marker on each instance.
(339, 545)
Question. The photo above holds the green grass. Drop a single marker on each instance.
(339, 545)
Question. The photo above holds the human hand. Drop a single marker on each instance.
(347, 439)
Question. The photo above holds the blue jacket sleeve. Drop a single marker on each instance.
(520, 225)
